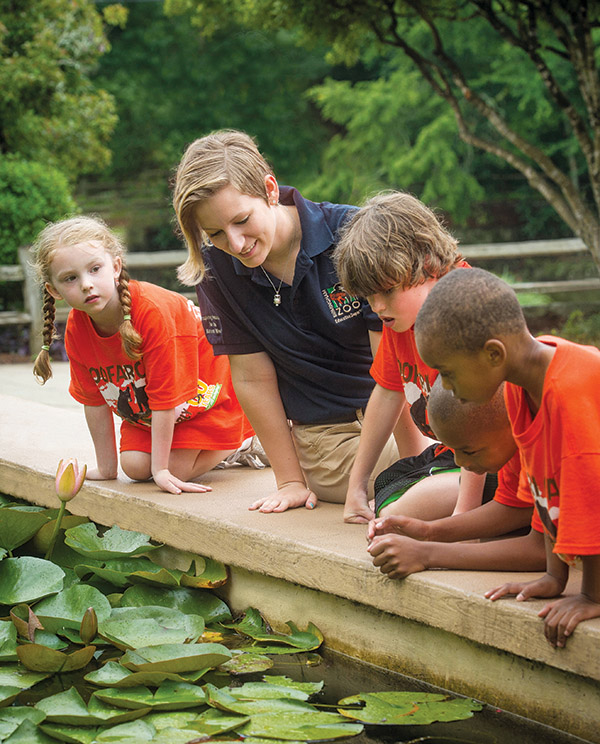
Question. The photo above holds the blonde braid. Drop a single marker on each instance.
(132, 340)
(41, 368)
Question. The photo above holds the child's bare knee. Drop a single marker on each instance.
(136, 465)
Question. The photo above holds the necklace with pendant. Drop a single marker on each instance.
(277, 290)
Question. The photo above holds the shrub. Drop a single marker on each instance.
(31, 194)
(582, 329)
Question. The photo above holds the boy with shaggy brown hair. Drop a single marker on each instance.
(392, 252)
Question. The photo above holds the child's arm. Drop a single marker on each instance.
(488, 520)
(470, 491)
(255, 382)
(398, 556)
(102, 429)
(564, 615)
(163, 423)
(381, 416)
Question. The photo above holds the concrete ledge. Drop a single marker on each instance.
(310, 566)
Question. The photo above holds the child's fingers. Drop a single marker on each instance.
(503, 591)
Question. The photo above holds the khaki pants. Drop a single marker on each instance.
(326, 453)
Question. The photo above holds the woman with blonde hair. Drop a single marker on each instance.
(299, 345)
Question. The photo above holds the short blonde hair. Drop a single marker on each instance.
(393, 239)
(220, 159)
(65, 234)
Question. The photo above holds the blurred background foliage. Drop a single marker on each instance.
(99, 101)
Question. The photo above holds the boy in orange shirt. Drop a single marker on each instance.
(392, 252)
(471, 328)
(482, 441)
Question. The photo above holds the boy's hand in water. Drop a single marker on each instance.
(398, 525)
(168, 482)
(287, 496)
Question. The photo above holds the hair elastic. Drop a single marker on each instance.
(45, 347)
(127, 316)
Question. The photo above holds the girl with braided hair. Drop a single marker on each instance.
(139, 351)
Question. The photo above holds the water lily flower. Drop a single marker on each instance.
(69, 479)
(89, 626)
(68, 482)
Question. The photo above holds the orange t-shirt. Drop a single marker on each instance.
(513, 488)
(177, 370)
(398, 366)
(560, 448)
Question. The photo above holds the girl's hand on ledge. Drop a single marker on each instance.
(168, 482)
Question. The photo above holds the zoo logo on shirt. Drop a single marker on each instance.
(341, 304)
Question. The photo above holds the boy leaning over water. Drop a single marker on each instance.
(481, 439)
(392, 252)
(471, 328)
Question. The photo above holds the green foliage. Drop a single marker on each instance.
(405, 136)
(31, 194)
(49, 110)
(172, 84)
(581, 328)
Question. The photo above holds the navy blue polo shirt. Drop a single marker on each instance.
(317, 338)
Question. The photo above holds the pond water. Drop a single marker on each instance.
(345, 676)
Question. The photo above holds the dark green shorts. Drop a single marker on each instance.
(393, 482)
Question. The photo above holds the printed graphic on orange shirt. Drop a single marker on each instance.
(341, 304)
(127, 398)
(205, 399)
(547, 513)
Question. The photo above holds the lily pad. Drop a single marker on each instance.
(14, 675)
(169, 696)
(135, 732)
(67, 608)
(224, 699)
(114, 543)
(205, 573)
(11, 718)
(41, 541)
(123, 571)
(189, 601)
(19, 524)
(174, 657)
(8, 694)
(71, 734)
(40, 658)
(8, 641)
(267, 691)
(213, 722)
(113, 674)
(245, 663)
(28, 733)
(310, 688)
(134, 627)
(304, 725)
(68, 707)
(26, 579)
(253, 626)
(407, 708)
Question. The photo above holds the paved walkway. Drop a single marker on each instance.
(310, 566)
